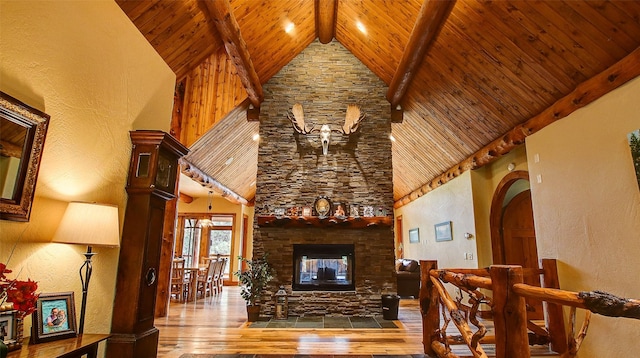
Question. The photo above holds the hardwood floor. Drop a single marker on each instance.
(218, 326)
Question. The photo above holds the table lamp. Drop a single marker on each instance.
(88, 224)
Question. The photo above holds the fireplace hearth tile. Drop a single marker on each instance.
(337, 322)
(318, 322)
(364, 322)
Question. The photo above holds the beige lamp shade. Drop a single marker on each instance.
(89, 224)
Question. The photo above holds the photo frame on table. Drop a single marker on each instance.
(7, 327)
(443, 231)
(414, 236)
(54, 318)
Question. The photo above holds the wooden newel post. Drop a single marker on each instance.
(509, 313)
(429, 307)
(555, 314)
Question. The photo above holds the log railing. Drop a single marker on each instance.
(513, 333)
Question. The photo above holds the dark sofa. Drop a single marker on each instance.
(408, 277)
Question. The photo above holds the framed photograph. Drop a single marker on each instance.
(367, 211)
(340, 210)
(353, 210)
(443, 231)
(306, 211)
(54, 318)
(414, 236)
(7, 329)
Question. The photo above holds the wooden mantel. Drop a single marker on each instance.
(328, 222)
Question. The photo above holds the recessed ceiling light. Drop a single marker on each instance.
(361, 27)
(229, 161)
(288, 28)
(256, 137)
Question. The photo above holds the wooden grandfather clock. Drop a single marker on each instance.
(151, 183)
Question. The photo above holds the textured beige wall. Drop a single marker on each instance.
(89, 68)
(587, 209)
(484, 182)
(450, 202)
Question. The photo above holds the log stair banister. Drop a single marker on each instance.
(511, 337)
(599, 302)
(470, 339)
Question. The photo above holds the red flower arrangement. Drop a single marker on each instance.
(21, 293)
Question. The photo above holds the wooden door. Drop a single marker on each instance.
(519, 239)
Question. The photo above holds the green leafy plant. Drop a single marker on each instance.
(255, 279)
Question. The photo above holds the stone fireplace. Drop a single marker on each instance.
(293, 173)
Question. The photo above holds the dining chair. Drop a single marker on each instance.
(179, 280)
(219, 275)
(204, 283)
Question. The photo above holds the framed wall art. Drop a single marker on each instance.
(443, 231)
(22, 132)
(54, 318)
(634, 145)
(414, 236)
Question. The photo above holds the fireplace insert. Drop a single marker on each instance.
(327, 267)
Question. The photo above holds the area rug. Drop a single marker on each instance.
(325, 322)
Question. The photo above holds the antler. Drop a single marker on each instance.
(352, 119)
(296, 116)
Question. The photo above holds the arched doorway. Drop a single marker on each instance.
(513, 238)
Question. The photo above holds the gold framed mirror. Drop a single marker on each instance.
(22, 133)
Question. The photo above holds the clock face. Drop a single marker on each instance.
(164, 172)
(323, 206)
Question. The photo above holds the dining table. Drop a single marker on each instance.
(193, 273)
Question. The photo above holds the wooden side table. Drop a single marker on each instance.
(64, 348)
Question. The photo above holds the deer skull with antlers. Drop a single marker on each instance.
(351, 124)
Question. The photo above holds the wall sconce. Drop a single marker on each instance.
(88, 224)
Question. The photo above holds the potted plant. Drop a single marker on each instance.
(253, 281)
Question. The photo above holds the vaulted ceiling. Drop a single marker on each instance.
(472, 78)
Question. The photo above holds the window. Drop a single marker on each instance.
(195, 242)
(190, 238)
(221, 238)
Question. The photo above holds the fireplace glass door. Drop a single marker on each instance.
(323, 267)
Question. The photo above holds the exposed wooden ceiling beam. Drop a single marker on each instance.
(203, 179)
(621, 72)
(227, 26)
(431, 18)
(326, 19)
(185, 198)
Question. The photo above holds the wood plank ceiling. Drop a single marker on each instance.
(492, 67)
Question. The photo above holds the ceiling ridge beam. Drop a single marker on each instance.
(205, 180)
(432, 16)
(588, 91)
(226, 24)
(325, 19)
